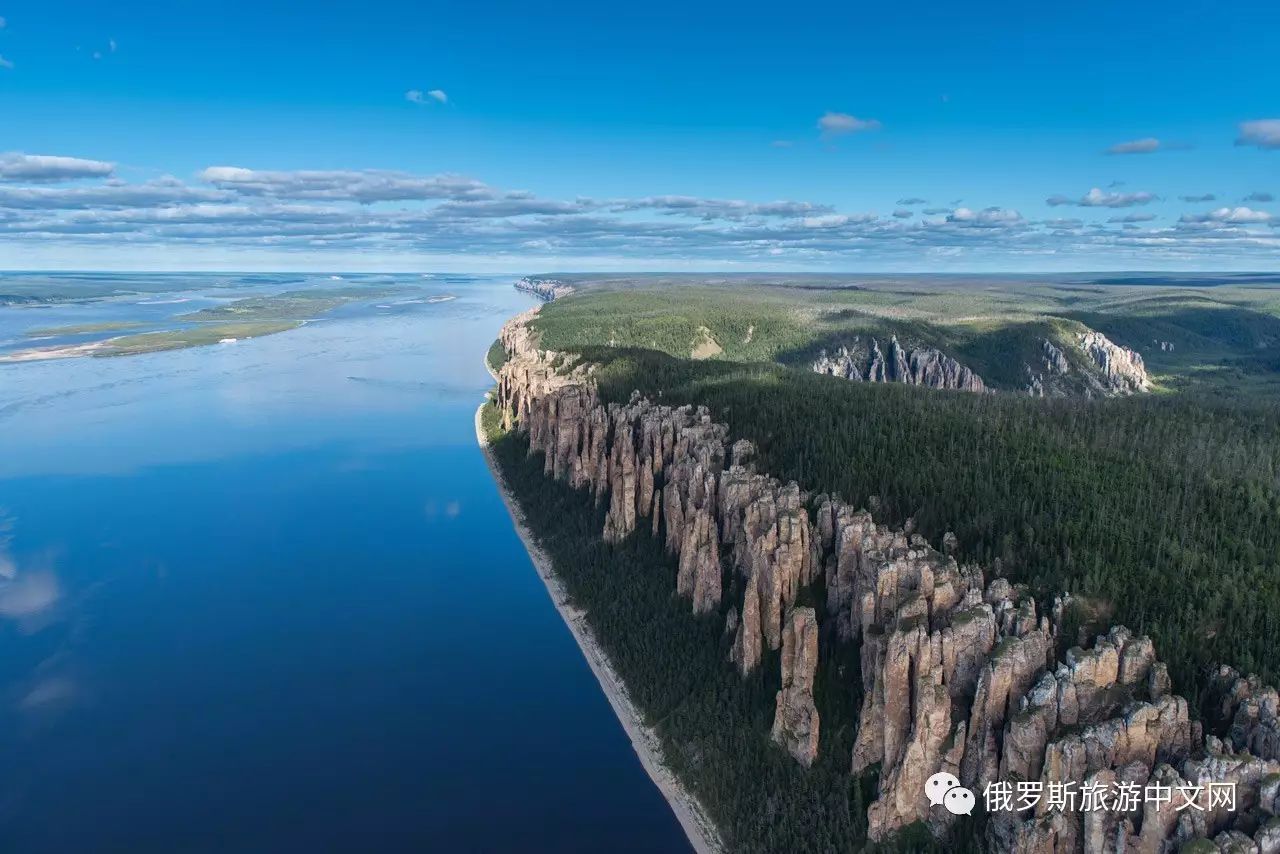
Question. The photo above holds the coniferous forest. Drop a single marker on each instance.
(713, 723)
(1160, 512)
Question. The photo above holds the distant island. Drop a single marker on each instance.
(238, 320)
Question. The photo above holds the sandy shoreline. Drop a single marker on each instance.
(700, 830)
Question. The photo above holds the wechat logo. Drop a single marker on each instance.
(943, 788)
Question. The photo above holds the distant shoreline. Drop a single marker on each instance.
(699, 829)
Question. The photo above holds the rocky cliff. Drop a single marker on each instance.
(545, 289)
(1121, 370)
(1109, 369)
(924, 366)
(959, 673)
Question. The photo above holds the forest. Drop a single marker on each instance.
(1160, 512)
(1163, 512)
(714, 724)
(1219, 340)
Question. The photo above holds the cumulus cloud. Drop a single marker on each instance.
(417, 96)
(985, 218)
(1231, 216)
(838, 124)
(1205, 197)
(835, 220)
(45, 168)
(1263, 133)
(1259, 196)
(364, 186)
(1133, 217)
(912, 200)
(719, 208)
(1147, 145)
(1097, 198)
(379, 213)
(110, 195)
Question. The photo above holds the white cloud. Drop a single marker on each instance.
(364, 186)
(298, 218)
(1264, 133)
(986, 218)
(111, 195)
(903, 213)
(1133, 217)
(43, 168)
(838, 124)
(1204, 197)
(417, 96)
(1097, 198)
(1232, 216)
(719, 208)
(825, 221)
(1136, 146)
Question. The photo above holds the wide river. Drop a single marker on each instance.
(264, 596)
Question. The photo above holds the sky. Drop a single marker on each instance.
(519, 137)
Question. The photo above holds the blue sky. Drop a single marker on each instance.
(648, 136)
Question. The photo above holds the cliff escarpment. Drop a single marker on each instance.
(923, 366)
(960, 670)
(544, 289)
(1100, 367)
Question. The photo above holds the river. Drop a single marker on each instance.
(264, 595)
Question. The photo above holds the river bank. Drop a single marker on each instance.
(697, 826)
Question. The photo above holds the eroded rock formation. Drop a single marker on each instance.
(795, 721)
(1122, 370)
(545, 289)
(959, 673)
(926, 366)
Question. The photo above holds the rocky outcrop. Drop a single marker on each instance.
(1053, 363)
(1245, 713)
(1109, 369)
(1121, 370)
(958, 673)
(544, 289)
(795, 721)
(924, 366)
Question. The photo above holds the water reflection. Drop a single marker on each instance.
(265, 597)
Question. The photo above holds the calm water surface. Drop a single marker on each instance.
(264, 596)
